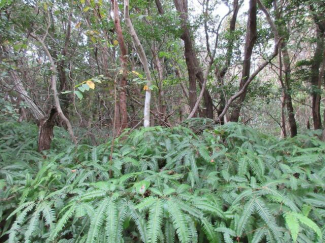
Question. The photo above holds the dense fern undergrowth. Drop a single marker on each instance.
(226, 184)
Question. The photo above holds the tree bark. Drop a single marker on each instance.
(251, 37)
(45, 124)
(123, 81)
(54, 89)
(45, 132)
(159, 7)
(144, 62)
(315, 79)
(193, 66)
(282, 32)
(220, 74)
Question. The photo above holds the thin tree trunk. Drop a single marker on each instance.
(144, 62)
(283, 100)
(123, 81)
(281, 32)
(251, 37)
(159, 7)
(315, 79)
(288, 98)
(284, 92)
(161, 93)
(230, 46)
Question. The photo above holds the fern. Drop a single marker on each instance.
(168, 185)
(155, 220)
(179, 221)
(112, 221)
(247, 212)
(97, 220)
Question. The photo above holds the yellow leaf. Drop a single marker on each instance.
(78, 25)
(115, 42)
(146, 88)
(93, 39)
(86, 9)
(82, 1)
(121, 71)
(136, 73)
(45, 6)
(91, 84)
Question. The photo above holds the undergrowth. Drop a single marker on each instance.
(225, 184)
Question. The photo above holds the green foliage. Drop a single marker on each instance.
(226, 184)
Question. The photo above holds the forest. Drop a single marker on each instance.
(162, 121)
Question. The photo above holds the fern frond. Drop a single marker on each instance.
(155, 220)
(97, 221)
(17, 224)
(192, 229)
(264, 212)
(293, 225)
(122, 214)
(49, 214)
(179, 221)
(247, 212)
(206, 206)
(145, 203)
(209, 231)
(259, 235)
(62, 222)
(93, 194)
(33, 222)
(308, 222)
(111, 221)
(139, 221)
(169, 232)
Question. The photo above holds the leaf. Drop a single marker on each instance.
(293, 225)
(179, 221)
(308, 222)
(136, 73)
(66, 92)
(91, 84)
(79, 94)
(97, 221)
(86, 9)
(78, 25)
(154, 222)
(145, 87)
(248, 210)
(115, 42)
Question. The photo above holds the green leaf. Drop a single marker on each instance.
(308, 222)
(293, 225)
(79, 94)
(155, 220)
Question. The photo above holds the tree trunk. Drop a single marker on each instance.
(282, 32)
(159, 7)
(144, 62)
(316, 80)
(251, 37)
(287, 90)
(192, 63)
(220, 74)
(45, 130)
(123, 81)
